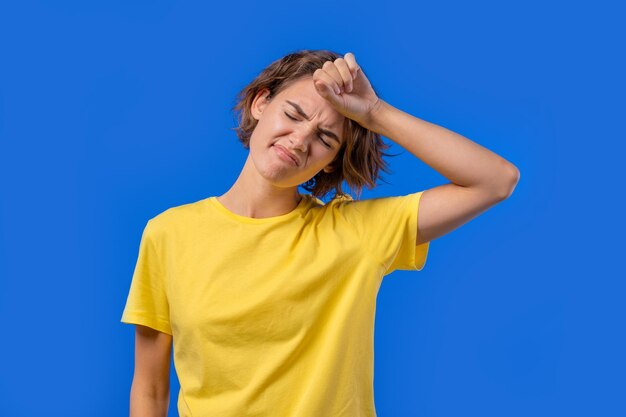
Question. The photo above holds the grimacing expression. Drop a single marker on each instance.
(314, 140)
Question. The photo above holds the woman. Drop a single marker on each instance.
(269, 295)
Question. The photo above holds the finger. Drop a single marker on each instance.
(342, 67)
(327, 81)
(330, 68)
(352, 64)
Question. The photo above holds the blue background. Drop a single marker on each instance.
(111, 112)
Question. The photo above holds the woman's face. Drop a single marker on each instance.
(314, 140)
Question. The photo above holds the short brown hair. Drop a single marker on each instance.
(360, 158)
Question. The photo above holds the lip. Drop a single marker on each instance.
(284, 152)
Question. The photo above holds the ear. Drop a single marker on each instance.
(259, 103)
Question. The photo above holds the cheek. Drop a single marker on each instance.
(261, 137)
(319, 157)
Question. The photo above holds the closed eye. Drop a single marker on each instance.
(318, 135)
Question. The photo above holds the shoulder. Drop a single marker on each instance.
(333, 206)
(379, 209)
(175, 217)
(338, 200)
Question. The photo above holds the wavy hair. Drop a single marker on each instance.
(360, 157)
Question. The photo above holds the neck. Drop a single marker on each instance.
(252, 196)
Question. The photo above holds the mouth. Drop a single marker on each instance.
(285, 155)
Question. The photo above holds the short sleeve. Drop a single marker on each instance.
(147, 302)
(388, 229)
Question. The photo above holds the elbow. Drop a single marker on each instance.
(510, 177)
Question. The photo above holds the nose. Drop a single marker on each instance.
(300, 137)
(298, 143)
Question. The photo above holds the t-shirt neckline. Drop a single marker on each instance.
(251, 220)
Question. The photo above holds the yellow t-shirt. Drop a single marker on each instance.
(273, 316)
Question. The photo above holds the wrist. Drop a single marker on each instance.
(375, 116)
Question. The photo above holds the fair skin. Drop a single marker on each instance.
(150, 389)
(479, 178)
(267, 185)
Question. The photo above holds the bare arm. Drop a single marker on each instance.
(478, 177)
(150, 390)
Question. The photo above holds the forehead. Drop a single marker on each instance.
(304, 93)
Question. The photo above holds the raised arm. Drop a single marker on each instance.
(478, 177)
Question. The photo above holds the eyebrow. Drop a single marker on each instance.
(303, 114)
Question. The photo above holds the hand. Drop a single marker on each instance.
(345, 86)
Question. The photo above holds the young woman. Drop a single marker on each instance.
(268, 295)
